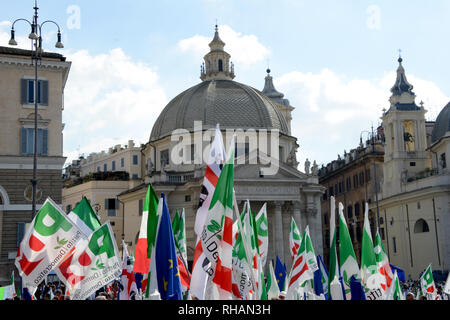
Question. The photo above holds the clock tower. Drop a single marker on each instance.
(406, 143)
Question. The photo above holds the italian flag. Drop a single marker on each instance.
(147, 232)
(382, 260)
(217, 235)
(295, 239)
(349, 263)
(427, 284)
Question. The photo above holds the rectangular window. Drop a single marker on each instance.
(141, 206)
(325, 218)
(349, 184)
(164, 158)
(134, 177)
(361, 178)
(412, 164)
(368, 175)
(113, 166)
(336, 189)
(98, 169)
(355, 181)
(331, 191)
(27, 91)
(382, 233)
(394, 244)
(105, 167)
(135, 159)
(187, 198)
(122, 162)
(111, 207)
(27, 141)
(68, 208)
(20, 232)
(325, 195)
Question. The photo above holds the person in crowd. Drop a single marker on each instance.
(410, 296)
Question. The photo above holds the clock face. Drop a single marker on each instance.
(28, 193)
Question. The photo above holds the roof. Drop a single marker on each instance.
(23, 52)
(230, 104)
(442, 124)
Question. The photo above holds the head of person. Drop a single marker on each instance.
(410, 296)
(47, 296)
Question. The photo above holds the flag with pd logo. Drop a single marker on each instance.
(51, 237)
(94, 264)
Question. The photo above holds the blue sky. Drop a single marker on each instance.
(334, 60)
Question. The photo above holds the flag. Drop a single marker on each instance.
(273, 291)
(49, 239)
(300, 271)
(447, 285)
(262, 228)
(310, 253)
(94, 264)
(349, 264)
(356, 289)
(382, 262)
(295, 238)
(334, 286)
(127, 280)
(280, 274)
(179, 234)
(321, 278)
(217, 232)
(147, 232)
(7, 292)
(368, 261)
(167, 269)
(395, 291)
(84, 217)
(201, 264)
(427, 284)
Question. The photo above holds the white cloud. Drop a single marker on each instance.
(109, 99)
(244, 49)
(332, 110)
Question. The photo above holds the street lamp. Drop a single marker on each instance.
(36, 36)
(372, 134)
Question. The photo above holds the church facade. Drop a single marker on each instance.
(265, 168)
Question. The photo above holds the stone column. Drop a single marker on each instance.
(297, 214)
(279, 250)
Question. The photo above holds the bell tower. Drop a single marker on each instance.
(406, 143)
(217, 64)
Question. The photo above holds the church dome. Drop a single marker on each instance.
(442, 124)
(229, 103)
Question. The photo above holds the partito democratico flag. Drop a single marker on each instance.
(49, 239)
(94, 264)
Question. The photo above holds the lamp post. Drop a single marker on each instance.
(372, 134)
(36, 36)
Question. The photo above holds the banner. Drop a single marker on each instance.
(50, 238)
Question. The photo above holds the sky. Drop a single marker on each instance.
(334, 60)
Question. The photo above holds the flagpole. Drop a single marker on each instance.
(236, 212)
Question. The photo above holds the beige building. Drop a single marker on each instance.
(415, 196)
(17, 141)
(100, 178)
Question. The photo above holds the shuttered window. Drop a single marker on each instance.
(20, 232)
(27, 141)
(27, 91)
(111, 206)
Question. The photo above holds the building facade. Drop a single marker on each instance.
(353, 180)
(17, 142)
(415, 194)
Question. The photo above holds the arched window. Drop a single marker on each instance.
(220, 65)
(421, 226)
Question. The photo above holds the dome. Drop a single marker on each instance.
(442, 124)
(229, 103)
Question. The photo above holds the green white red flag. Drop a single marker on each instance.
(147, 232)
(349, 263)
(273, 291)
(427, 284)
(51, 237)
(217, 235)
(368, 261)
(295, 239)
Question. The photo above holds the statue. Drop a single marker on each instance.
(307, 165)
(315, 168)
(292, 158)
